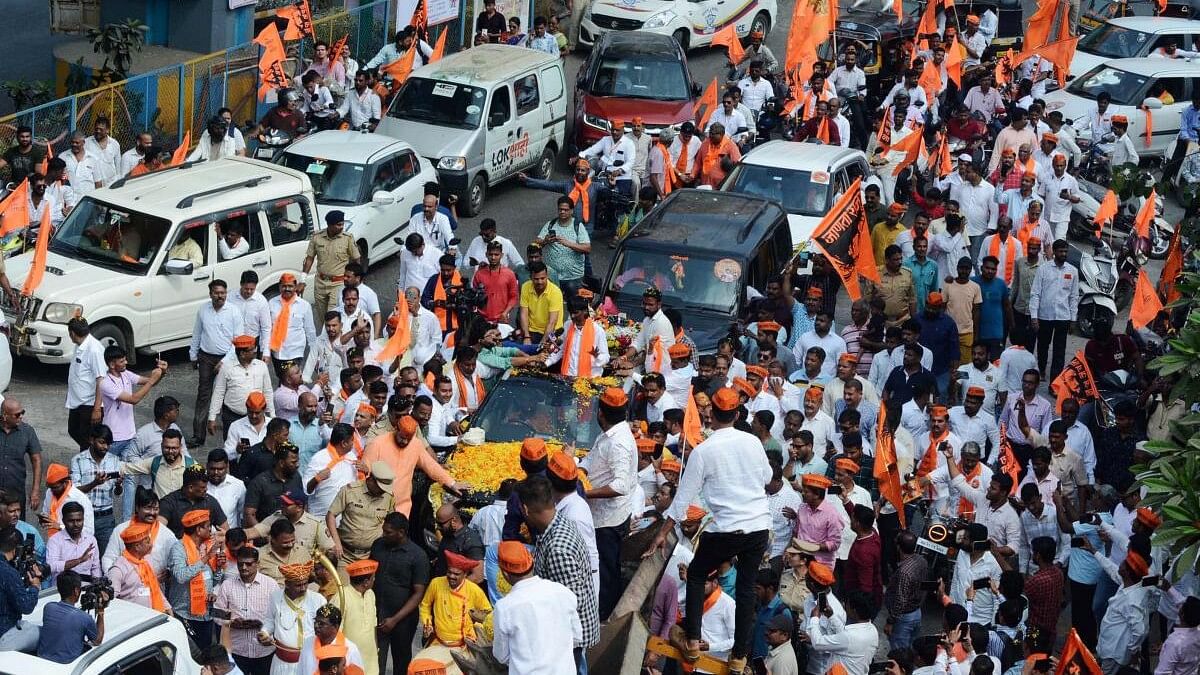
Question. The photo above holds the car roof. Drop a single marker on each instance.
(707, 220)
(640, 42)
(346, 146)
(1156, 24)
(1156, 67)
(199, 188)
(484, 64)
(787, 155)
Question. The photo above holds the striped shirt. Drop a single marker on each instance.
(84, 468)
(246, 601)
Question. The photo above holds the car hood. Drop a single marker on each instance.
(352, 213)
(653, 113)
(1084, 61)
(631, 9)
(429, 140)
(67, 279)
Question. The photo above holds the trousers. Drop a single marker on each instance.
(608, 545)
(207, 365)
(1052, 332)
(713, 549)
(399, 643)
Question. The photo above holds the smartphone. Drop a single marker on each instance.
(1042, 665)
(245, 443)
(929, 585)
(1150, 582)
(220, 614)
(823, 601)
(982, 584)
(1076, 542)
(834, 490)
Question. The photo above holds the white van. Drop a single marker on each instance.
(481, 116)
(135, 258)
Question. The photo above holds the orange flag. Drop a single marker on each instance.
(912, 145)
(733, 46)
(930, 81)
(898, 8)
(928, 22)
(883, 135)
(1172, 266)
(401, 68)
(706, 106)
(1037, 30)
(812, 22)
(180, 153)
(1075, 381)
(1058, 53)
(270, 65)
(299, 20)
(887, 472)
(1149, 133)
(944, 164)
(420, 18)
(1106, 212)
(37, 267)
(44, 165)
(691, 422)
(14, 210)
(1004, 66)
(1145, 215)
(1146, 303)
(1008, 459)
(1076, 659)
(954, 61)
(845, 238)
(338, 48)
(439, 49)
(398, 343)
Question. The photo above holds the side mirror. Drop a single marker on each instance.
(1152, 102)
(178, 267)
(383, 198)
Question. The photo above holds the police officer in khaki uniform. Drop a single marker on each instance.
(310, 531)
(332, 250)
(362, 506)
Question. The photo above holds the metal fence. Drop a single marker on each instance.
(171, 101)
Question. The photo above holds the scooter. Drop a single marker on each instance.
(1090, 195)
(271, 144)
(1098, 280)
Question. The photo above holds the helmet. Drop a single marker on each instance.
(291, 96)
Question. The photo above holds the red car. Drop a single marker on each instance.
(628, 74)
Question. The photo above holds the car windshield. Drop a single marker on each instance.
(707, 283)
(1114, 42)
(112, 237)
(446, 104)
(520, 407)
(802, 193)
(1123, 86)
(333, 182)
(642, 76)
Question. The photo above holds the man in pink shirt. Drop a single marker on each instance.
(817, 522)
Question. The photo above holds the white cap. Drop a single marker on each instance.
(964, 157)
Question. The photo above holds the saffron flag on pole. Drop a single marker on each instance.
(1146, 215)
(1075, 381)
(845, 239)
(299, 20)
(37, 268)
(439, 49)
(14, 210)
(270, 65)
(887, 471)
(727, 36)
(1146, 303)
(338, 48)
(1106, 212)
(1076, 659)
(401, 68)
(1172, 266)
(706, 106)
(1008, 459)
(44, 165)
(692, 429)
(401, 337)
(180, 153)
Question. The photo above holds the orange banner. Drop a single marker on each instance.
(338, 48)
(1075, 381)
(180, 153)
(727, 36)
(37, 268)
(1146, 215)
(270, 65)
(1076, 659)
(706, 106)
(439, 49)
(1172, 266)
(402, 67)
(14, 210)
(912, 145)
(1146, 303)
(1008, 459)
(299, 20)
(887, 472)
(692, 428)
(845, 239)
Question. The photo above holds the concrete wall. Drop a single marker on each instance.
(201, 26)
(28, 53)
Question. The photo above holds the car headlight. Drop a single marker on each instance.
(659, 20)
(454, 163)
(62, 312)
(595, 121)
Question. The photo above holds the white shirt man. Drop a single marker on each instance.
(755, 92)
(1079, 439)
(852, 79)
(843, 127)
(360, 107)
(510, 258)
(300, 330)
(429, 337)
(915, 419)
(574, 335)
(1054, 295)
(214, 330)
(244, 433)
(256, 315)
(1123, 150)
(947, 499)
(415, 270)
(831, 342)
(536, 614)
(613, 463)
(980, 427)
(435, 231)
(609, 152)
(230, 493)
(162, 541)
(822, 427)
(341, 474)
(977, 204)
(108, 157)
(655, 409)
(983, 608)
(207, 150)
(731, 121)
(1014, 361)
(1003, 523)
(677, 147)
(1058, 210)
(83, 174)
(1125, 621)
(235, 382)
(987, 379)
(658, 326)
(850, 644)
(87, 367)
(73, 495)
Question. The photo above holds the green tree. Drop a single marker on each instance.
(118, 42)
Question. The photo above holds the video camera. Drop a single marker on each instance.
(26, 559)
(465, 299)
(96, 595)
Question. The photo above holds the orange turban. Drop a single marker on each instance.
(514, 557)
(533, 449)
(815, 480)
(56, 473)
(136, 532)
(820, 573)
(361, 568)
(408, 426)
(196, 517)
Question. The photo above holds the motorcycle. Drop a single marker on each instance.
(1091, 193)
(271, 144)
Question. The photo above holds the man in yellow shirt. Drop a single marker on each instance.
(884, 234)
(452, 605)
(359, 619)
(541, 305)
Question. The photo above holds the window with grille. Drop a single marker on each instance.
(74, 15)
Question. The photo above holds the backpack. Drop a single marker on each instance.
(157, 463)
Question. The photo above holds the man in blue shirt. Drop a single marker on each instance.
(995, 313)
(766, 587)
(18, 596)
(68, 631)
(1189, 132)
(940, 334)
(924, 271)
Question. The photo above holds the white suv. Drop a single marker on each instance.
(135, 258)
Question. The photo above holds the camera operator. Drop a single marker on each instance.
(18, 595)
(68, 631)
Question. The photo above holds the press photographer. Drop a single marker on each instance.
(18, 594)
(68, 631)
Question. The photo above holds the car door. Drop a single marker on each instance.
(554, 102)
(501, 133)
(247, 220)
(177, 297)
(1173, 92)
(397, 176)
(531, 127)
(289, 226)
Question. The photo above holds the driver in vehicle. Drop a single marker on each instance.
(648, 274)
(187, 250)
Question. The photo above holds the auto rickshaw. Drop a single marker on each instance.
(878, 38)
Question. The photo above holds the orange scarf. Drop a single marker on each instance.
(439, 293)
(336, 458)
(668, 174)
(1010, 255)
(279, 329)
(681, 164)
(712, 157)
(579, 195)
(398, 343)
(823, 130)
(658, 353)
(462, 389)
(929, 460)
(149, 580)
(709, 601)
(1026, 231)
(197, 593)
(965, 508)
(587, 342)
(55, 511)
(430, 381)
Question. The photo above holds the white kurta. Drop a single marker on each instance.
(288, 629)
(530, 622)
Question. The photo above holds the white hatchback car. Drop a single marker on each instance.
(1130, 37)
(692, 22)
(374, 179)
(1164, 86)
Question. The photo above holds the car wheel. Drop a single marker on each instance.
(476, 193)
(681, 36)
(1089, 316)
(545, 167)
(110, 335)
(363, 258)
(761, 24)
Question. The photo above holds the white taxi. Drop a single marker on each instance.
(1130, 37)
(692, 22)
